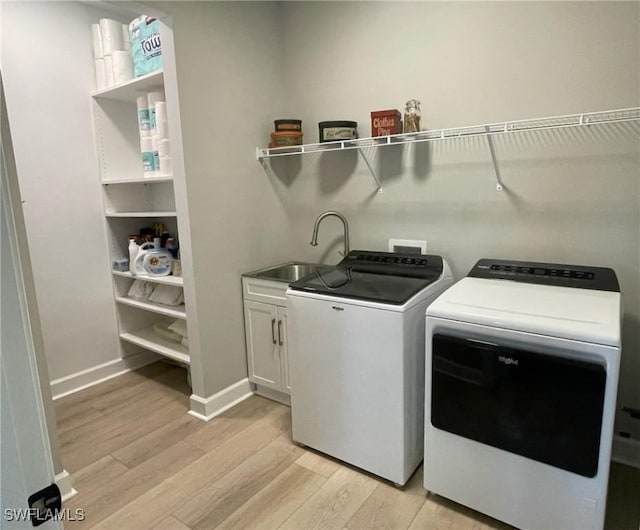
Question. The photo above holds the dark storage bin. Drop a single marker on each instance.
(332, 131)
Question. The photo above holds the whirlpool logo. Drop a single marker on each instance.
(508, 360)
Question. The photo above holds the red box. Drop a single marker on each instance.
(385, 122)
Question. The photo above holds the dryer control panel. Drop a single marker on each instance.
(578, 276)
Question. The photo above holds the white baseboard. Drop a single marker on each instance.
(208, 408)
(626, 451)
(274, 395)
(63, 480)
(97, 374)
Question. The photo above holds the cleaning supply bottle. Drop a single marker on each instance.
(138, 264)
(134, 248)
(152, 261)
(172, 246)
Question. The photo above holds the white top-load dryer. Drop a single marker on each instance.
(522, 364)
(356, 353)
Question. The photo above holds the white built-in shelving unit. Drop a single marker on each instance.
(131, 202)
(587, 119)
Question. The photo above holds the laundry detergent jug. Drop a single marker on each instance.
(153, 261)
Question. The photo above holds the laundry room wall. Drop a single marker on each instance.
(48, 73)
(571, 195)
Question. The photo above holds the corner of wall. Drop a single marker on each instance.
(207, 408)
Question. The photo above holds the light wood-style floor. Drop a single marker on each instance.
(138, 460)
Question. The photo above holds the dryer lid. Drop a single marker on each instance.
(565, 312)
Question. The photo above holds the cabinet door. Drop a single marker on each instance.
(284, 352)
(263, 350)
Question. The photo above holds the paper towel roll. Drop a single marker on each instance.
(146, 144)
(164, 147)
(111, 33)
(161, 119)
(148, 164)
(143, 116)
(101, 74)
(166, 166)
(97, 41)
(126, 38)
(153, 98)
(156, 156)
(122, 67)
(108, 69)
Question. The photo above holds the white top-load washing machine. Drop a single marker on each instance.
(356, 353)
(522, 364)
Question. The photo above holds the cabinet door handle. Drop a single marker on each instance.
(280, 342)
(273, 330)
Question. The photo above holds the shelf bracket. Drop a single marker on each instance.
(373, 173)
(499, 183)
(265, 166)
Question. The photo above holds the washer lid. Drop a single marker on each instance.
(346, 283)
(384, 277)
(563, 312)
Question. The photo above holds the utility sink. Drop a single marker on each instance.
(289, 272)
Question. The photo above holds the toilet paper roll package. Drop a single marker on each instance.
(122, 67)
(146, 48)
(157, 96)
(108, 68)
(111, 33)
(166, 166)
(164, 147)
(126, 39)
(161, 119)
(101, 74)
(164, 157)
(96, 39)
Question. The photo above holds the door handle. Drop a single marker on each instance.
(280, 341)
(273, 330)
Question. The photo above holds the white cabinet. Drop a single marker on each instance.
(266, 345)
(133, 202)
(265, 319)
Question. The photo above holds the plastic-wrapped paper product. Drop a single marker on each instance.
(111, 36)
(122, 67)
(146, 48)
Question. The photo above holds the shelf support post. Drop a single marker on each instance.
(499, 183)
(373, 173)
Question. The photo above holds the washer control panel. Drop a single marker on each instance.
(393, 263)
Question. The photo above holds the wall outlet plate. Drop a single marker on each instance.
(408, 246)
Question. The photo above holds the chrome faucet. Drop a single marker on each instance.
(314, 237)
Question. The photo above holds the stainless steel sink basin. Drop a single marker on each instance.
(289, 272)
